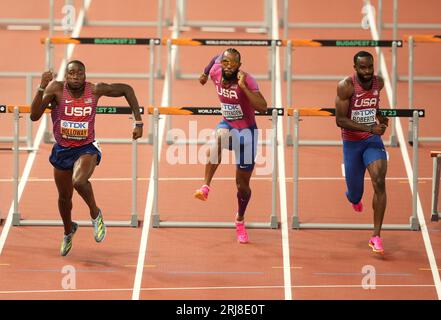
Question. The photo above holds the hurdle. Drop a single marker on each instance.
(224, 42)
(436, 155)
(296, 224)
(150, 42)
(412, 39)
(156, 221)
(28, 138)
(105, 110)
(291, 43)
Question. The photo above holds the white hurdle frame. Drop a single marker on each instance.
(16, 217)
(296, 224)
(156, 221)
(289, 78)
(436, 155)
(411, 79)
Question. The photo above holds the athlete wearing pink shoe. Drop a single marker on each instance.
(240, 97)
(357, 104)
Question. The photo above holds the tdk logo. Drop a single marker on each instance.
(74, 125)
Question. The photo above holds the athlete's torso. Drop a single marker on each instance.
(73, 119)
(236, 107)
(363, 108)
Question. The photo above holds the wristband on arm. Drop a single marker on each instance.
(210, 65)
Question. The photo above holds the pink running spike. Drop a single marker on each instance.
(242, 235)
(376, 244)
(202, 193)
(358, 207)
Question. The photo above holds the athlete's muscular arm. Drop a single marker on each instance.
(203, 78)
(381, 119)
(257, 100)
(121, 90)
(43, 98)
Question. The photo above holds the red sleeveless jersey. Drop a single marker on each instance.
(363, 108)
(74, 119)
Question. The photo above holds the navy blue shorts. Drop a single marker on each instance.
(64, 158)
(357, 156)
(244, 144)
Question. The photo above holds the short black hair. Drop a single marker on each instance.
(233, 51)
(362, 54)
(76, 62)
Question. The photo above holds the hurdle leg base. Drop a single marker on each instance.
(134, 222)
(16, 219)
(274, 224)
(434, 217)
(156, 221)
(295, 223)
(414, 224)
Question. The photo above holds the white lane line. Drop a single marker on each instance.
(40, 133)
(330, 286)
(149, 200)
(406, 159)
(288, 179)
(281, 164)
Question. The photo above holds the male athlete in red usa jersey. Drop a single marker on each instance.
(357, 104)
(76, 153)
(240, 97)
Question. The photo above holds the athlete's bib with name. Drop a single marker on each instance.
(364, 116)
(74, 130)
(231, 111)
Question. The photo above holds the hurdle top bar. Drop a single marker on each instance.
(226, 42)
(204, 111)
(435, 154)
(423, 38)
(342, 43)
(99, 109)
(323, 112)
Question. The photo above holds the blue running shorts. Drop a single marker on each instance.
(64, 158)
(357, 155)
(244, 144)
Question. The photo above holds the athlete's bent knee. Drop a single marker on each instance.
(79, 184)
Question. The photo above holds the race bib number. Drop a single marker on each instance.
(364, 116)
(73, 130)
(231, 111)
